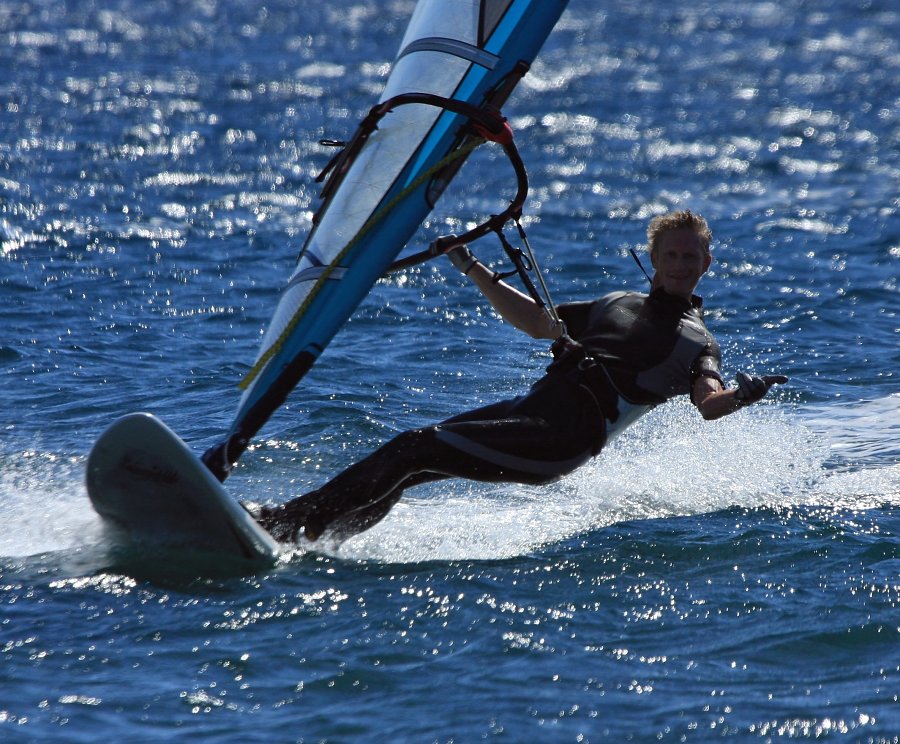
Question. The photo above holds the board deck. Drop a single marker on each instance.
(142, 478)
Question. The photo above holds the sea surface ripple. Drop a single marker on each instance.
(735, 580)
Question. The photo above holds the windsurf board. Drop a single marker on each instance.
(143, 479)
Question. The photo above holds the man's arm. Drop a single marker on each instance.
(714, 400)
(513, 306)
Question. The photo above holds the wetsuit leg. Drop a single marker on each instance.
(363, 493)
(355, 492)
(365, 517)
(533, 439)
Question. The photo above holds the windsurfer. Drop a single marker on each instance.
(614, 359)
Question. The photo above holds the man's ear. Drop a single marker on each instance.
(653, 258)
(707, 262)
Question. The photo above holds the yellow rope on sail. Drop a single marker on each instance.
(323, 277)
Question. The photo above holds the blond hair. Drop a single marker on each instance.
(681, 220)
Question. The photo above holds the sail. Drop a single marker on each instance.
(471, 51)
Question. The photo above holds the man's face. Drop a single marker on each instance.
(680, 261)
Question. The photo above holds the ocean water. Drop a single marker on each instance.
(735, 580)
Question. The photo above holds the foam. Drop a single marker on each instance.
(44, 504)
(671, 463)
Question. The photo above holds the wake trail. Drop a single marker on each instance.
(671, 463)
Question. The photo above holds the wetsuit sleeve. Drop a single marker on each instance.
(707, 365)
(575, 315)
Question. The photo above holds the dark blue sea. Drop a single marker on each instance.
(736, 580)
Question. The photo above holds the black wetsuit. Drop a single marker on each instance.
(632, 351)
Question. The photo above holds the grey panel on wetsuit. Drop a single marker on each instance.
(668, 378)
(505, 460)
